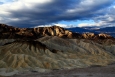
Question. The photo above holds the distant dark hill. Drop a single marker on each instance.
(108, 30)
(79, 30)
(96, 30)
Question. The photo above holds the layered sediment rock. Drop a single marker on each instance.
(48, 48)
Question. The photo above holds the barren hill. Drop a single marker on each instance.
(49, 48)
(35, 33)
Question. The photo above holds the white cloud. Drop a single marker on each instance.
(35, 1)
(110, 19)
(22, 4)
(98, 24)
(61, 25)
(85, 24)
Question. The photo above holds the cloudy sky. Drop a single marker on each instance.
(30, 13)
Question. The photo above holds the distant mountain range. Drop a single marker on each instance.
(96, 30)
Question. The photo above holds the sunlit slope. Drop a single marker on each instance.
(52, 53)
(25, 55)
(34, 54)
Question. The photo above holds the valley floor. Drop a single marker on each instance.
(94, 71)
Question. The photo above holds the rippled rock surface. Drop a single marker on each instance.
(50, 48)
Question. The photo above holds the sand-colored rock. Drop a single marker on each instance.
(52, 53)
(50, 48)
(35, 33)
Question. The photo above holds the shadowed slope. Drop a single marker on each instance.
(6, 41)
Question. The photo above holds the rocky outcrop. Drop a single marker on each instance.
(47, 48)
(35, 33)
(96, 36)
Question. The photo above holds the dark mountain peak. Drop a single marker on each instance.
(3, 25)
(6, 26)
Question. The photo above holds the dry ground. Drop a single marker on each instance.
(94, 71)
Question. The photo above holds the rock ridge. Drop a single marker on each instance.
(35, 33)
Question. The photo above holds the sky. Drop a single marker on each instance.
(66, 13)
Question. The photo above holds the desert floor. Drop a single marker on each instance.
(94, 71)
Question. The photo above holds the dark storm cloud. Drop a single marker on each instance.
(57, 10)
(42, 14)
